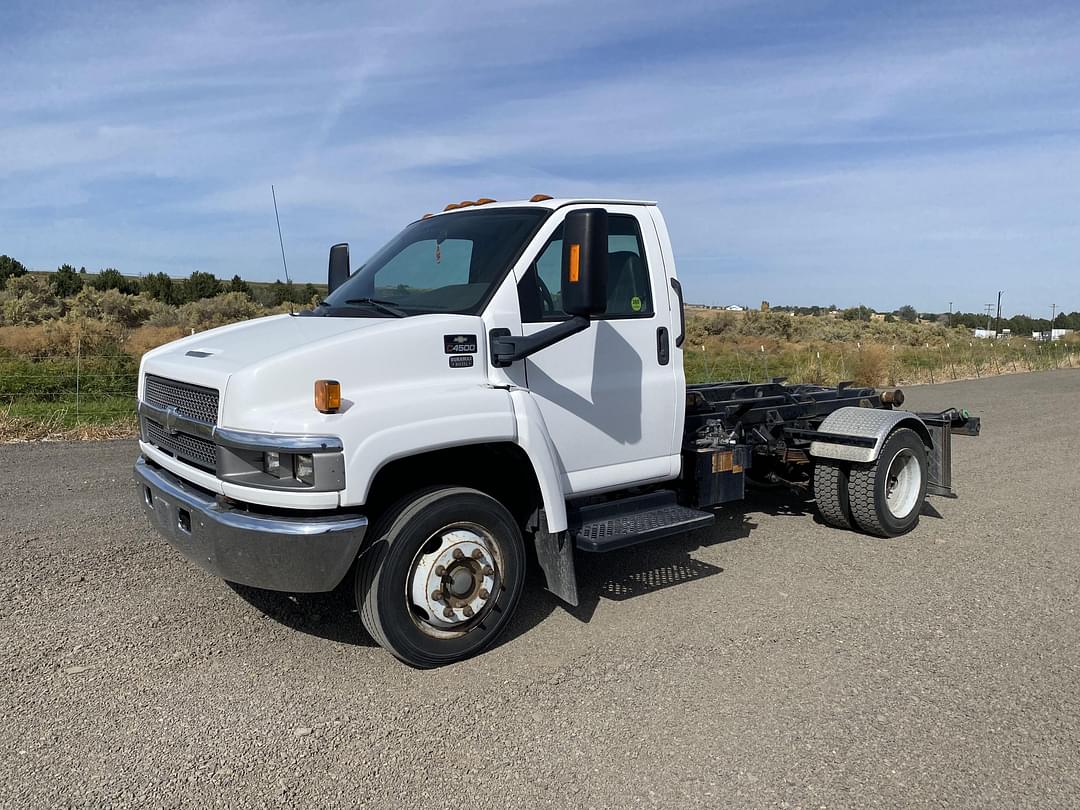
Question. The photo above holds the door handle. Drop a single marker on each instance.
(663, 352)
(677, 287)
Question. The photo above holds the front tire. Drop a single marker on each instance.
(442, 577)
(887, 496)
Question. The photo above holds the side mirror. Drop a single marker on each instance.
(585, 262)
(338, 272)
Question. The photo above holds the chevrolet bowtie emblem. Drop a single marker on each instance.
(172, 416)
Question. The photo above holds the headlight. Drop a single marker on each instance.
(305, 469)
(280, 461)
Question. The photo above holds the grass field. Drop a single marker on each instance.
(50, 389)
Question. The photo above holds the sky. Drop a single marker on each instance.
(802, 152)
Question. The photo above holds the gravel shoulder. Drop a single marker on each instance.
(769, 662)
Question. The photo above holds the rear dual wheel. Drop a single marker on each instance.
(884, 497)
(442, 577)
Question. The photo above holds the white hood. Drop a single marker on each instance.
(266, 368)
(207, 358)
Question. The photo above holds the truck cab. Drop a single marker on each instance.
(501, 382)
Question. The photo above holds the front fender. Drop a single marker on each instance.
(534, 439)
(453, 418)
(428, 420)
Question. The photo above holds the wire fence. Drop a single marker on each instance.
(69, 389)
(875, 363)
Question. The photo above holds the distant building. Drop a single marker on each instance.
(877, 316)
(1053, 334)
(985, 334)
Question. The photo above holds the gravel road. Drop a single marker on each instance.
(769, 662)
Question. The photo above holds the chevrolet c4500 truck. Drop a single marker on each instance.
(500, 383)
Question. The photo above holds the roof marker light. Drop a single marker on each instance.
(540, 197)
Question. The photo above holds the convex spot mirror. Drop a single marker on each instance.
(585, 262)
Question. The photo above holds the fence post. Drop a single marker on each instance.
(78, 372)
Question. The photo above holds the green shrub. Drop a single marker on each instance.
(226, 308)
(28, 299)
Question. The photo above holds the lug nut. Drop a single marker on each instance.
(477, 553)
(468, 611)
(437, 595)
(483, 593)
(458, 553)
(488, 570)
(448, 612)
(439, 570)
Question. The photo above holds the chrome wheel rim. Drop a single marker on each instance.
(903, 483)
(453, 580)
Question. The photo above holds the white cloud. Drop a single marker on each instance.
(851, 163)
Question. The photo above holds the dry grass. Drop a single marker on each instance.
(14, 428)
(145, 338)
(28, 341)
(870, 366)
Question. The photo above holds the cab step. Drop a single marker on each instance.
(629, 521)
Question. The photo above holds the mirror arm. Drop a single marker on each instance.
(507, 348)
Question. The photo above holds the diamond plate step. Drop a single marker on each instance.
(627, 522)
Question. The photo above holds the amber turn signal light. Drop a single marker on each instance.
(575, 263)
(327, 396)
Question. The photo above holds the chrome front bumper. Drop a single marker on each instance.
(299, 554)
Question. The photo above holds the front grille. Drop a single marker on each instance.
(199, 452)
(192, 401)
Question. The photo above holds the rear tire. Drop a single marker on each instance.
(887, 495)
(831, 493)
(453, 542)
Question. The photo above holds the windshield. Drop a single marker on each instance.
(441, 264)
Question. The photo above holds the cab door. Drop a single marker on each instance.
(608, 394)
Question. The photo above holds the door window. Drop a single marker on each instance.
(629, 291)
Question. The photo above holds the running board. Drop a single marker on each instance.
(629, 521)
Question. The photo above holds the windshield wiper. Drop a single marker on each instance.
(382, 306)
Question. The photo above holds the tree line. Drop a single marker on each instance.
(66, 282)
(1018, 324)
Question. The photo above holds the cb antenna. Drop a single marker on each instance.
(281, 242)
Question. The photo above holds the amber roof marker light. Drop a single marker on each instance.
(540, 197)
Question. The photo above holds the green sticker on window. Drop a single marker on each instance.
(635, 304)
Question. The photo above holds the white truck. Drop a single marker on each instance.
(502, 382)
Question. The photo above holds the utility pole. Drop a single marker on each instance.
(989, 312)
(997, 323)
(1053, 311)
(949, 322)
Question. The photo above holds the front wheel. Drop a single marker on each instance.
(442, 577)
(886, 497)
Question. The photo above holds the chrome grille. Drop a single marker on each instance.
(192, 401)
(199, 452)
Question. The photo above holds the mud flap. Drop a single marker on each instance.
(939, 461)
(555, 553)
